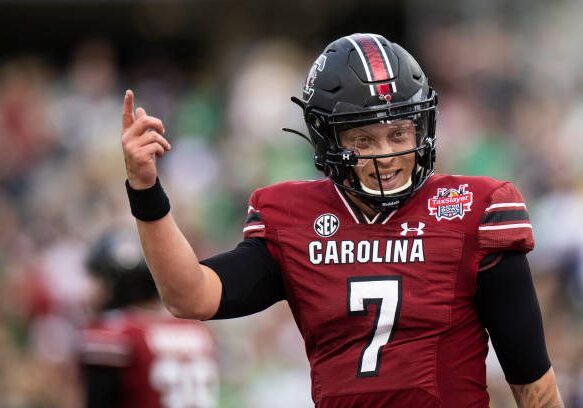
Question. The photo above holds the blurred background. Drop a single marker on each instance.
(219, 73)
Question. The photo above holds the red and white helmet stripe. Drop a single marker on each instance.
(375, 62)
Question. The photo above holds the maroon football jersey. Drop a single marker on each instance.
(164, 362)
(385, 306)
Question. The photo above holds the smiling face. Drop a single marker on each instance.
(378, 139)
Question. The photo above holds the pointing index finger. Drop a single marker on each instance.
(127, 114)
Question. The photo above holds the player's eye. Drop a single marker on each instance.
(401, 133)
(362, 142)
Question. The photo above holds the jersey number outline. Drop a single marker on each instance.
(386, 292)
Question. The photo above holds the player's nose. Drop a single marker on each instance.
(383, 149)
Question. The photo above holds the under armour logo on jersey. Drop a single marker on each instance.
(406, 229)
(326, 225)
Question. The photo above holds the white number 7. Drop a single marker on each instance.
(385, 292)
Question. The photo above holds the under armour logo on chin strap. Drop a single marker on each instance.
(406, 229)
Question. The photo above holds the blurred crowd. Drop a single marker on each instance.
(511, 107)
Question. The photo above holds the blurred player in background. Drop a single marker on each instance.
(393, 273)
(134, 354)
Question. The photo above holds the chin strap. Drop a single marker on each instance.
(393, 191)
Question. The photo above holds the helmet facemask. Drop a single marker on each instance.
(340, 161)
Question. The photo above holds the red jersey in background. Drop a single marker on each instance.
(163, 362)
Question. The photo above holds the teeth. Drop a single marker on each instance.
(387, 176)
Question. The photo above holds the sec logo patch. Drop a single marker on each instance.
(326, 225)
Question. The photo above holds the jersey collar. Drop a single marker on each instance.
(357, 215)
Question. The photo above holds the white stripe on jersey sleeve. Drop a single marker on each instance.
(505, 205)
(253, 227)
(501, 227)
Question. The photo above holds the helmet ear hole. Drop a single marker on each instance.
(317, 130)
(316, 121)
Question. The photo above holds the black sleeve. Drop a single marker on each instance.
(508, 307)
(102, 386)
(251, 279)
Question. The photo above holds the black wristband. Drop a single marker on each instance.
(149, 204)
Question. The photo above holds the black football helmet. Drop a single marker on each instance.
(358, 80)
(116, 258)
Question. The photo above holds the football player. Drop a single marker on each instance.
(396, 276)
(135, 354)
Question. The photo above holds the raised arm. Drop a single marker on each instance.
(187, 288)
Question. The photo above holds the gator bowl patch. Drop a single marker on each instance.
(450, 203)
